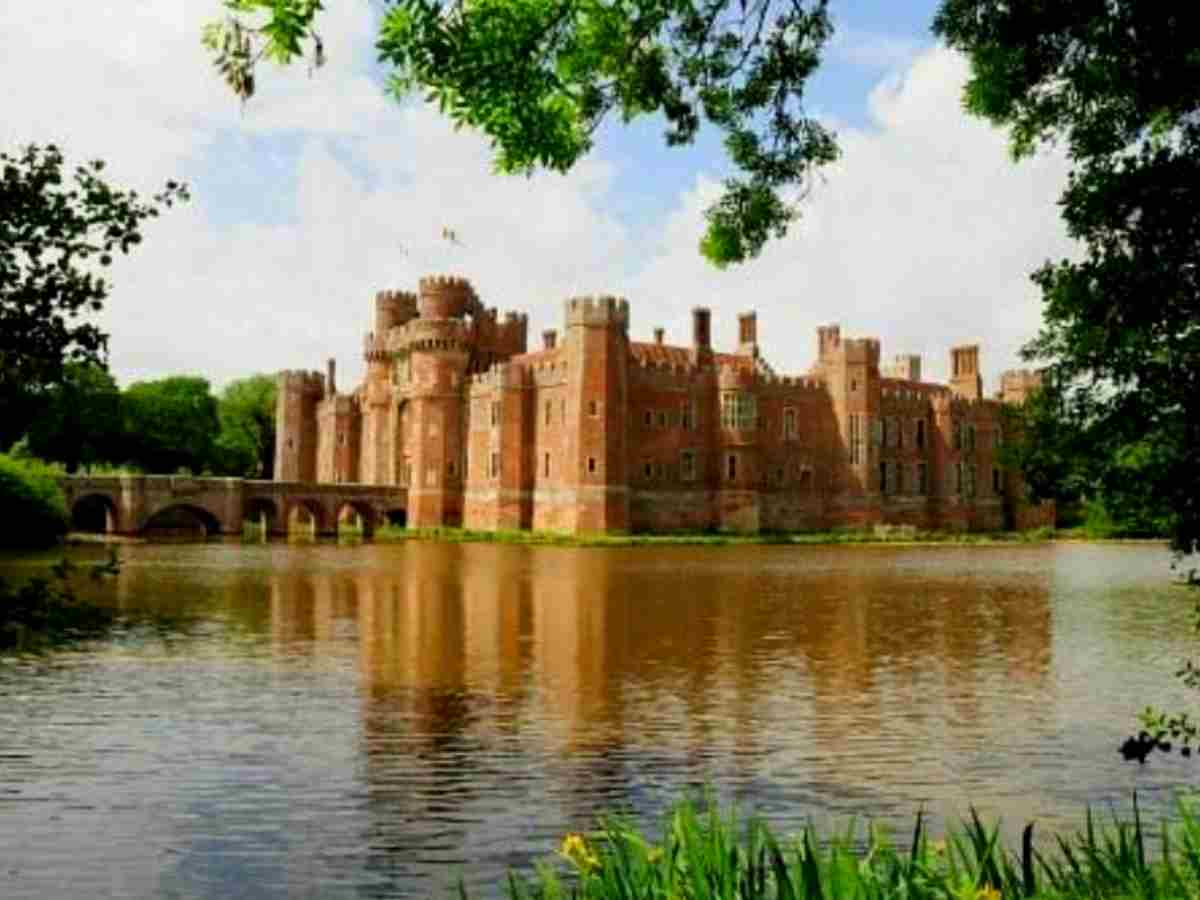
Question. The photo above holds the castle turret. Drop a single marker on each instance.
(964, 372)
(597, 357)
(446, 297)
(1017, 384)
(748, 334)
(296, 399)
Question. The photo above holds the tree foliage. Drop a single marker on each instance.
(35, 511)
(171, 424)
(78, 421)
(246, 443)
(1118, 85)
(539, 76)
(58, 233)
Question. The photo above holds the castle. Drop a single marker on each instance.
(596, 432)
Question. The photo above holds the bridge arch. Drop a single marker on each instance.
(305, 513)
(263, 510)
(365, 512)
(183, 518)
(95, 512)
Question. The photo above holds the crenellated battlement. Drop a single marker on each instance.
(301, 381)
(606, 311)
(430, 335)
(501, 375)
(792, 383)
(860, 351)
(393, 308)
(446, 297)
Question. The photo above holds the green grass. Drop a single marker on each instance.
(704, 854)
(893, 535)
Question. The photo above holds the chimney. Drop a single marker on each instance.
(549, 339)
(658, 335)
(701, 335)
(748, 334)
(330, 382)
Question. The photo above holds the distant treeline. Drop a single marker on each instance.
(169, 425)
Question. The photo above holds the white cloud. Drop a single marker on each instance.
(322, 191)
(923, 234)
(871, 50)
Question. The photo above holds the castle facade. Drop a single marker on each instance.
(597, 432)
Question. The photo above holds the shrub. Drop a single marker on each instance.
(35, 512)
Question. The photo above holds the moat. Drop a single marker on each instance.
(375, 720)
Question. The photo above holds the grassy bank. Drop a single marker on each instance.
(703, 854)
(881, 535)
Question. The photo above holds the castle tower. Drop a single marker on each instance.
(851, 368)
(1017, 384)
(597, 356)
(964, 372)
(738, 463)
(296, 399)
(434, 419)
(748, 334)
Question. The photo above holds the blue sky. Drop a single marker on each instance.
(321, 191)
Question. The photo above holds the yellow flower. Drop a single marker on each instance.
(939, 847)
(654, 854)
(987, 893)
(575, 850)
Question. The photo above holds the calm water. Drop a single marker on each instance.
(370, 721)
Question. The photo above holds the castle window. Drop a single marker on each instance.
(450, 468)
(591, 465)
(900, 433)
(647, 470)
(883, 478)
(662, 419)
(969, 477)
(898, 476)
(996, 485)
(495, 414)
(920, 442)
(806, 479)
(546, 466)
(593, 408)
(291, 444)
(970, 438)
(547, 412)
(856, 439)
(958, 478)
(779, 475)
(958, 436)
(922, 478)
(648, 419)
(342, 440)
(494, 470)
(789, 424)
(739, 410)
(659, 471)
(853, 385)
(877, 432)
(686, 417)
(884, 433)
(687, 465)
(562, 410)
(731, 467)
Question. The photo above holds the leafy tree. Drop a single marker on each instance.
(539, 76)
(58, 233)
(35, 511)
(246, 443)
(79, 419)
(1118, 84)
(170, 424)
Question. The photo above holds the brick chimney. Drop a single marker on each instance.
(701, 328)
(658, 335)
(549, 339)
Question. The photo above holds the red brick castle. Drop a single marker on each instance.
(596, 432)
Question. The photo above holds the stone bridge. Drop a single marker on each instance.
(131, 504)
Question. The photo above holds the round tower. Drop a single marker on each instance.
(445, 297)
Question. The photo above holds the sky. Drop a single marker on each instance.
(321, 191)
